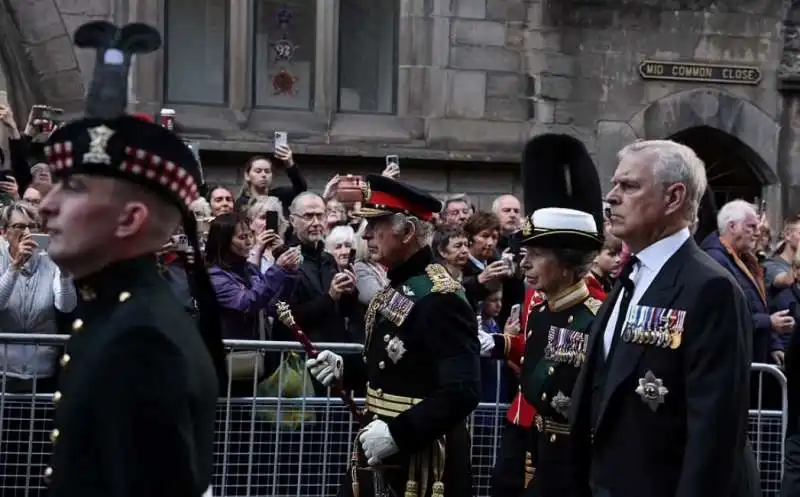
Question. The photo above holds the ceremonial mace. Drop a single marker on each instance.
(285, 316)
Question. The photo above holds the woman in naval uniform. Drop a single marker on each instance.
(562, 236)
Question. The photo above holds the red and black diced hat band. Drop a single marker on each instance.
(129, 148)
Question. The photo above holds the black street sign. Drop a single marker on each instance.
(697, 71)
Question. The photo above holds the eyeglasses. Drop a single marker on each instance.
(311, 216)
(23, 226)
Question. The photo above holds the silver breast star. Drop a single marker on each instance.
(652, 390)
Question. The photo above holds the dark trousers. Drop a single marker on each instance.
(508, 475)
(25, 447)
(790, 487)
(557, 473)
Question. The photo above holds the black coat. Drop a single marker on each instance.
(426, 392)
(137, 393)
(694, 443)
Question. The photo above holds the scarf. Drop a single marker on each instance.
(748, 263)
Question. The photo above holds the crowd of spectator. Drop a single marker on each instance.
(265, 243)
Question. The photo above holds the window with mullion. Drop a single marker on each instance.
(368, 55)
(196, 51)
(284, 55)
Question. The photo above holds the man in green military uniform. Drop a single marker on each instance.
(561, 235)
(136, 399)
(422, 359)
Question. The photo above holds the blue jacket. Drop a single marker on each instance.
(764, 340)
(788, 298)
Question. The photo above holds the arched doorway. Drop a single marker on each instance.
(732, 167)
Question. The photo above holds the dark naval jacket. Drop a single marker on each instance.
(554, 353)
(136, 400)
(422, 358)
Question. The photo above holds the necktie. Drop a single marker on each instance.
(627, 295)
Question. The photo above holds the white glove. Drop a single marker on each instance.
(326, 368)
(487, 343)
(377, 442)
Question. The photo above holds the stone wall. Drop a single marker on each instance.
(477, 78)
(46, 28)
(584, 57)
(483, 185)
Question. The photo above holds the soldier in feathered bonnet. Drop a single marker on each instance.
(136, 399)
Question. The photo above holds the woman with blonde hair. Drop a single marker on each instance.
(266, 220)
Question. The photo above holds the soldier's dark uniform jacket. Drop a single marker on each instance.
(136, 399)
(563, 191)
(135, 406)
(422, 358)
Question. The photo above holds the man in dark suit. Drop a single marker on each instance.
(137, 389)
(660, 408)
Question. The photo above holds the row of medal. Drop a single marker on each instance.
(654, 326)
(566, 346)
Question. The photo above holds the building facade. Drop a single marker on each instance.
(454, 87)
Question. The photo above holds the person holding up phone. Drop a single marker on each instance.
(268, 226)
(340, 243)
(32, 289)
(258, 177)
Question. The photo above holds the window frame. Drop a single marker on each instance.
(395, 64)
(226, 90)
(253, 56)
(239, 125)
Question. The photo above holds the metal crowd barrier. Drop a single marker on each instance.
(274, 437)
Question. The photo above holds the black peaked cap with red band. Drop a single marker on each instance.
(385, 196)
(110, 143)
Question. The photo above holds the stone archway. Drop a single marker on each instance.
(721, 111)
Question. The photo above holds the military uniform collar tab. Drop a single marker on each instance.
(570, 297)
(117, 278)
(415, 265)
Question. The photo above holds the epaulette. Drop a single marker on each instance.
(441, 279)
(593, 304)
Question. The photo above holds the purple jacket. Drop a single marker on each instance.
(240, 301)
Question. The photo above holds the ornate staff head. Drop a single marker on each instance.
(285, 314)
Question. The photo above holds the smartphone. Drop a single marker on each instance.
(514, 313)
(272, 221)
(42, 240)
(281, 139)
(39, 111)
(393, 159)
(3, 97)
(508, 258)
(351, 258)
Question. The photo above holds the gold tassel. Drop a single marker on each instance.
(354, 468)
(411, 489)
(439, 455)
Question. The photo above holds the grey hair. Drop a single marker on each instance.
(340, 235)
(423, 230)
(459, 197)
(674, 163)
(264, 204)
(734, 211)
(302, 197)
(496, 202)
(22, 207)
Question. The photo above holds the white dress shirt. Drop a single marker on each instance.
(651, 260)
